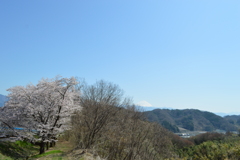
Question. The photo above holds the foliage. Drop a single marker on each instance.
(228, 148)
(23, 150)
(234, 119)
(17, 150)
(209, 136)
(179, 142)
(170, 127)
(43, 109)
(5, 157)
(47, 153)
(24, 144)
(187, 123)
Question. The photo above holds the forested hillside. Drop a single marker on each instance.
(190, 119)
(233, 119)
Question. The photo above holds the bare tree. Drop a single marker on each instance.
(100, 102)
(112, 127)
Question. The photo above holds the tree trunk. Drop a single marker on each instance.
(52, 144)
(42, 148)
(47, 145)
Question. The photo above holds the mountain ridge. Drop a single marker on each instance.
(222, 114)
(190, 119)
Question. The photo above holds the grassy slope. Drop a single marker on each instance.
(5, 157)
(17, 150)
(59, 152)
(62, 151)
(21, 150)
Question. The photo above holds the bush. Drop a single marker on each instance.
(227, 148)
(180, 142)
(209, 136)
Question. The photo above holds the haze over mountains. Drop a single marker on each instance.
(190, 119)
(177, 120)
(143, 105)
(3, 99)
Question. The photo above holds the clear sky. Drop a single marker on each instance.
(170, 53)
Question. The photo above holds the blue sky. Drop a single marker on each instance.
(170, 53)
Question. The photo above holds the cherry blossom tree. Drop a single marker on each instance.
(43, 109)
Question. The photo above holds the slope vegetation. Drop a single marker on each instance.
(190, 119)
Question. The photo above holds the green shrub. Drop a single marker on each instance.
(23, 144)
(228, 148)
(207, 137)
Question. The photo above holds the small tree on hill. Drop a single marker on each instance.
(44, 108)
(100, 103)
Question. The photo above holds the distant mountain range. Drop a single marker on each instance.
(3, 99)
(217, 113)
(192, 120)
(227, 114)
(152, 108)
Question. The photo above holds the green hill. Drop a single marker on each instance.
(190, 119)
(233, 119)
